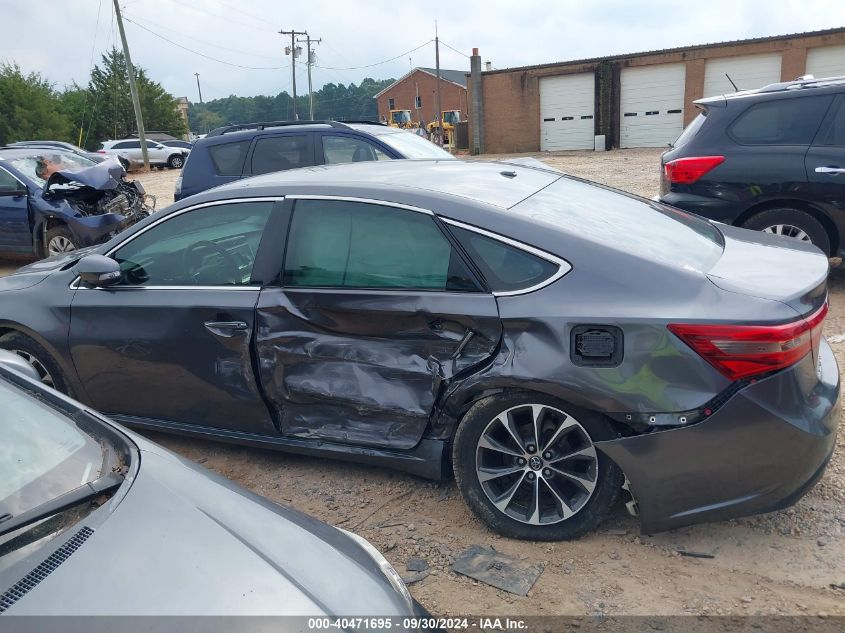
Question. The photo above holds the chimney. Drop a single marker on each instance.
(488, 65)
(476, 106)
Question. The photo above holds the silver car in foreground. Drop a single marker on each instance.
(96, 520)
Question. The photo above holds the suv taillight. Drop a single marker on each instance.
(685, 171)
(743, 351)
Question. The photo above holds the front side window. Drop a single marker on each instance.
(410, 145)
(228, 158)
(347, 149)
(8, 183)
(209, 246)
(505, 267)
(279, 153)
(791, 121)
(341, 244)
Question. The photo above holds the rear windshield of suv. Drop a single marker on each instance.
(791, 121)
(640, 227)
(691, 130)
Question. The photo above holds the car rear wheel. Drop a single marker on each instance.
(792, 223)
(32, 352)
(60, 240)
(526, 464)
(176, 161)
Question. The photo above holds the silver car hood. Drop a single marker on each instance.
(186, 542)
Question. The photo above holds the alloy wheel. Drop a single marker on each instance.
(59, 245)
(37, 365)
(536, 464)
(788, 230)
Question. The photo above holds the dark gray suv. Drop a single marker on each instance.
(239, 151)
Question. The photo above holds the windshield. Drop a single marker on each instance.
(640, 227)
(691, 130)
(411, 145)
(453, 117)
(403, 116)
(43, 453)
(39, 166)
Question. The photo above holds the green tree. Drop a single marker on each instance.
(29, 108)
(111, 114)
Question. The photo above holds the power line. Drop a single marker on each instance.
(207, 43)
(454, 49)
(377, 63)
(190, 50)
(227, 18)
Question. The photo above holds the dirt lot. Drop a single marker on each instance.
(778, 563)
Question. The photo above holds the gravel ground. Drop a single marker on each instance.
(783, 562)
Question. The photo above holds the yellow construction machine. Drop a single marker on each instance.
(450, 119)
(401, 119)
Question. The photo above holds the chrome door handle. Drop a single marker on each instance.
(830, 170)
(226, 328)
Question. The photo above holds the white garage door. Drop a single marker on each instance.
(828, 61)
(567, 104)
(652, 105)
(748, 72)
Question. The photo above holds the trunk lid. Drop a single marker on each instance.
(772, 267)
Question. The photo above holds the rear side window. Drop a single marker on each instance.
(228, 158)
(505, 267)
(782, 122)
(127, 145)
(339, 244)
(835, 133)
(279, 153)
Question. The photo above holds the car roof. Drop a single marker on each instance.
(495, 183)
(799, 87)
(232, 133)
(8, 153)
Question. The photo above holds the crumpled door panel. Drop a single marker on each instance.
(367, 367)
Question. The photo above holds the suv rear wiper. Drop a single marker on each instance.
(75, 497)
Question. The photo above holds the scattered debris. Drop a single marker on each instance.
(616, 532)
(416, 564)
(836, 338)
(498, 570)
(414, 576)
(693, 554)
(837, 585)
(202, 460)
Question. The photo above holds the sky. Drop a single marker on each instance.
(236, 48)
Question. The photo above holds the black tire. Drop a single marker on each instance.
(59, 239)
(465, 452)
(30, 349)
(788, 217)
(176, 161)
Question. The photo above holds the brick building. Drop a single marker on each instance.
(641, 99)
(416, 91)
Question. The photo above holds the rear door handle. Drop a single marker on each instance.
(830, 170)
(226, 328)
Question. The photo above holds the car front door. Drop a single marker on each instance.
(171, 341)
(825, 162)
(375, 314)
(15, 234)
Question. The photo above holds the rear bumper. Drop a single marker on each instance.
(760, 451)
(710, 207)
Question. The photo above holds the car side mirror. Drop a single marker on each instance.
(98, 270)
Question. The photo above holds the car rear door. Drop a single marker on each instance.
(375, 314)
(825, 162)
(171, 341)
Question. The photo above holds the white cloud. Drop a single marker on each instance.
(57, 41)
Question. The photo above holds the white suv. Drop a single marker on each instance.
(159, 155)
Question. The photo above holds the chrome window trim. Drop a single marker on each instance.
(75, 284)
(382, 203)
(563, 265)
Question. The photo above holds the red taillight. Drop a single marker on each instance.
(741, 351)
(685, 171)
(101, 151)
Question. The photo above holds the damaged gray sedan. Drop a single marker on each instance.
(550, 340)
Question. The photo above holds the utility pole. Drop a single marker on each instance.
(312, 57)
(437, 64)
(293, 51)
(198, 86)
(133, 89)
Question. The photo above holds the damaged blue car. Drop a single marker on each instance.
(53, 201)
